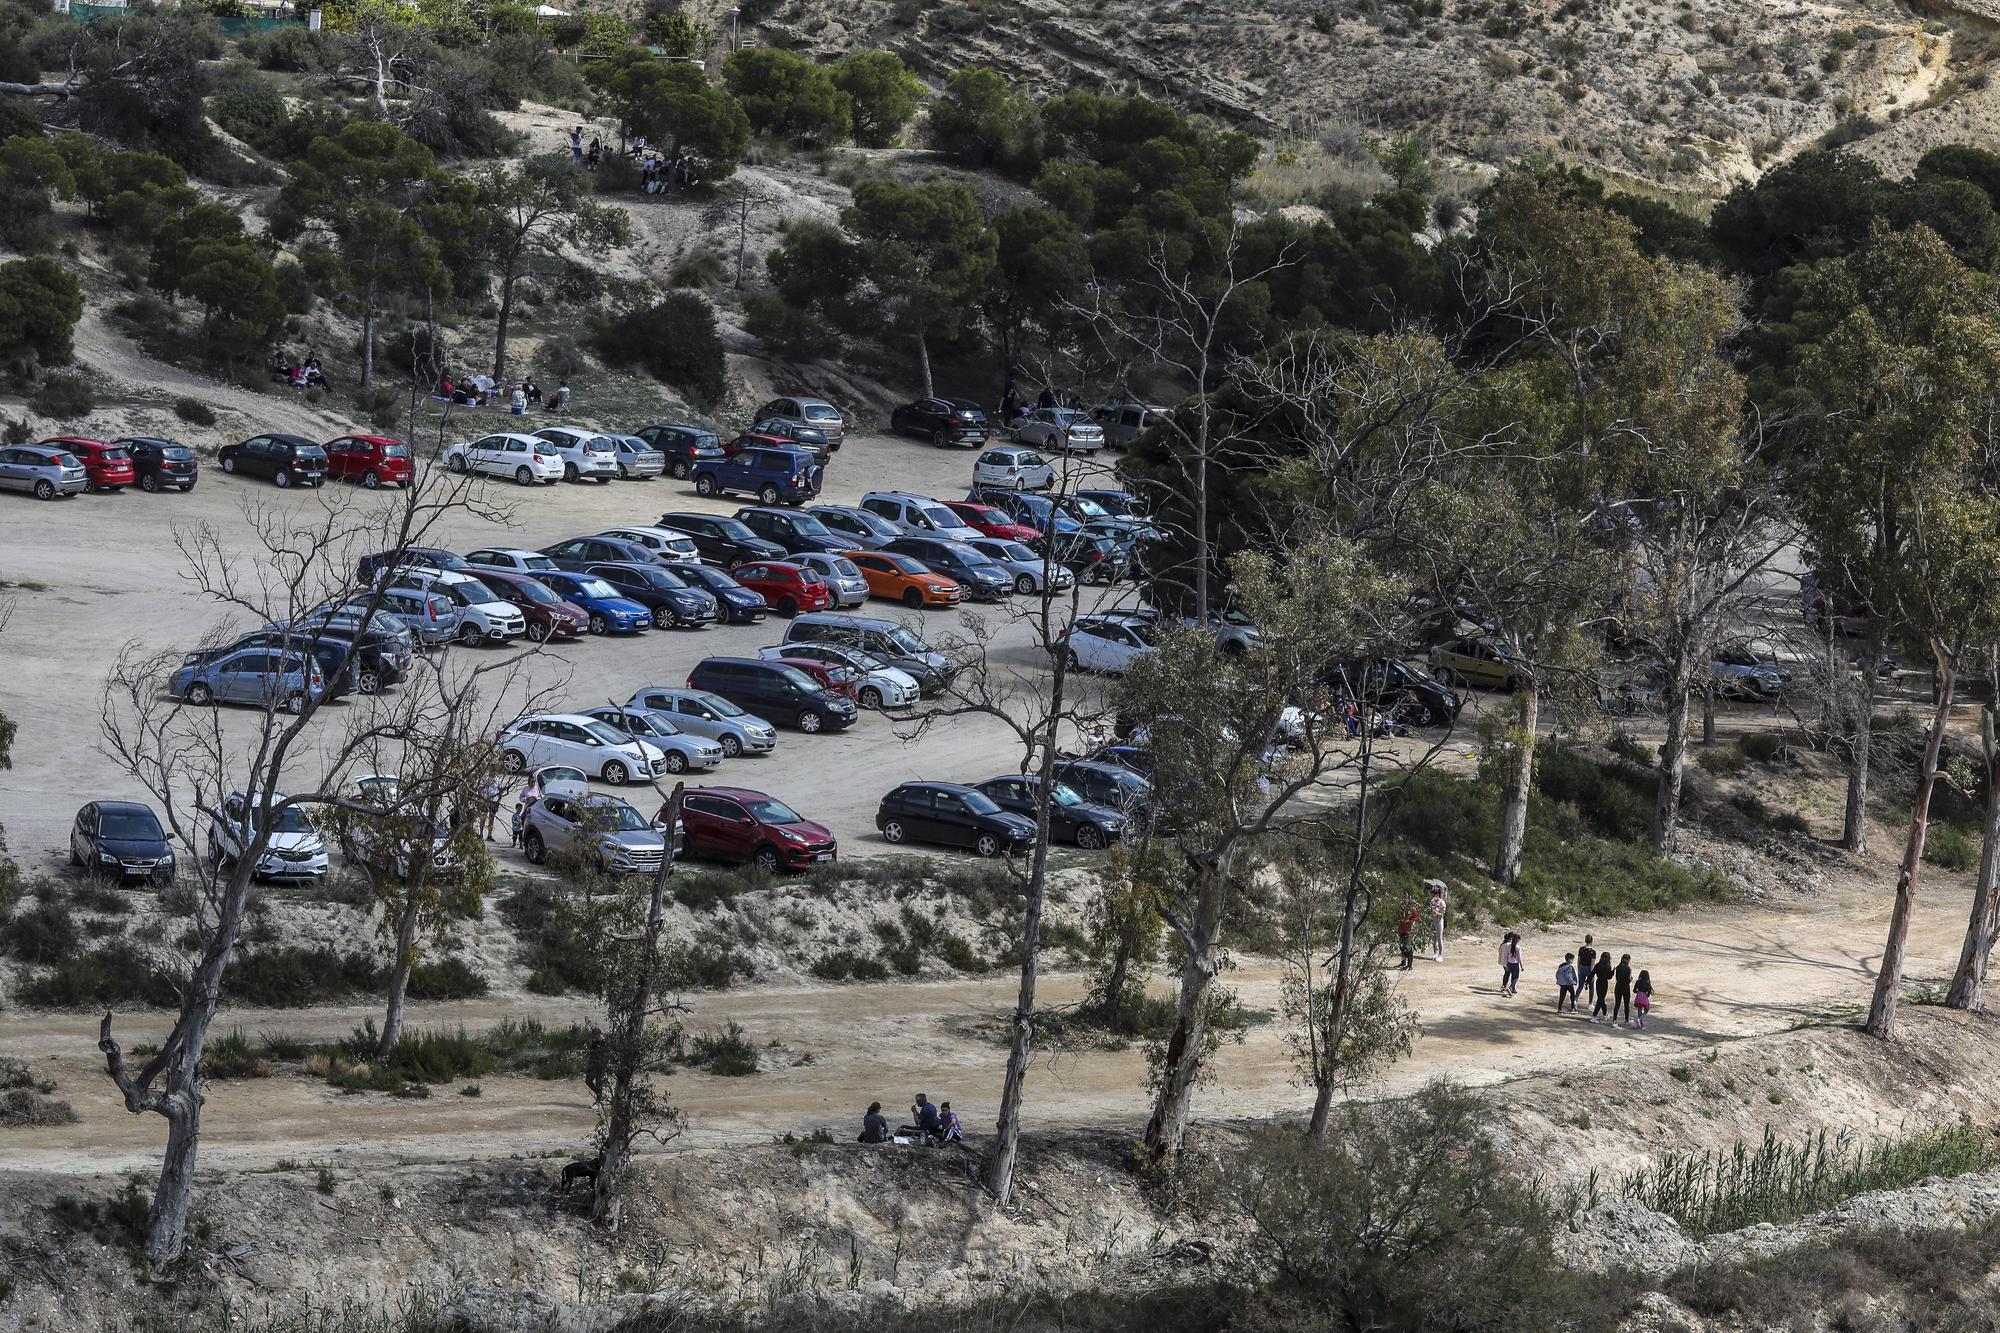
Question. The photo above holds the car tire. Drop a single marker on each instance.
(603, 481)
(513, 761)
(893, 831)
(229, 463)
(731, 747)
(368, 682)
(295, 702)
(913, 599)
(766, 858)
(624, 474)
(371, 479)
(871, 697)
(811, 723)
(185, 489)
(787, 607)
(74, 859)
(149, 484)
(282, 479)
(676, 762)
(1089, 837)
(45, 489)
(987, 845)
(597, 624)
(524, 476)
(569, 471)
(470, 635)
(200, 695)
(1233, 648)
(456, 463)
(704, 484)
(663, 619)
(532, 847)
(1024, 584)
(1075, 662)
(767, 494)
(1426, 716)
(940, 439)
(537, 632)
(615, 773)
(679, 468)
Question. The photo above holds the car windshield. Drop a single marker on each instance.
(941, 518)
(1016, 551)
(64, 459)
(639, 724)
(973, 556)
(605, 732)
(661, 725)
(311, 453)
(821, 412)
(842, 566)
(657, 578)
(905, 642)
(291, 819)
(980, 803)
(1063, 795)
(600, 444)
(730, 528)
(595, 588)
(798, 679)
(395, 451)
(177, 451)
(618, 817)
(535, 592)
(703, 441)
(116, 455)
(907, 564)
(132, 824)
(771, 811)
(808, 525)
(702, 574)
(720, 706)
(470, 592)
(1147, 634)
(1088, 508)
(548, 775)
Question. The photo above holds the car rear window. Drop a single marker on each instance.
(821, 412)
(395, 451)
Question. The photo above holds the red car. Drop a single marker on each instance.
(372, 460)
(106, 467)
(841, 680)
(991, 522)
(788, 588)
(548, 616)
(737, 824)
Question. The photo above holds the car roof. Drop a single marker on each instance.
(122, 807)
(84, 441)
(734, 793)
(551, 717)
(803, 401)
(522, 436)
(371, 439)
(288, 439)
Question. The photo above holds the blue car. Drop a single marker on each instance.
(261, 676)
(774, 474)
(609, 613)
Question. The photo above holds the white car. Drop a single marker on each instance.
(483, 615)
(522, 457)
(882, 686)
(1027, 568)
(667, 543)
(1106, 643)
(511, 560)
(1064, 428)
(577, 741)
(1014, 467)
(293, 851)
(586, 455)
(368, 844)
(680, 750)
(917, 515)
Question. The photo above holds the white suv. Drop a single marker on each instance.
(293, 851)
(917, 515)
(483, 616)
(667, 543)
(585, 454)
(599, 749)
(523, 457)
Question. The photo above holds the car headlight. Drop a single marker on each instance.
(107, 858)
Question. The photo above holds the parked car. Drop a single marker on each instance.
(817, 413)
(770, 473)
(347, 618)
(942, 421)
(1124, 422)
(859, 528)
(548, 616)
(1478, 660)
(738, 824)
(44, 473)
(674, 605)
(787, 587)
(1234, 632)
(395, 848)
(525, 458)
(722, 541)
(431, 617)
(796, 532)
(285, 459)
(1095, 558)
(895, 644)
(1107, 785)
(434, 558)
(293, 850)
(1110, 643)
(508, 560)
(735, 604)
(1063, 428)
(372, 460)
(877, 684)
(586, 455)
(682, 446)
(1029, 570)
(679, 750)
(122, 840)
(957, 560)
(829, 676)
(781, 693)
(1741, 671)
(600, 750)
(842, 577)
(1071, 818)
(916, 515)
(1405, 690)
(369, 664)
(106, 466)
(1014, 467)
(702, 713)
(162, 463)
(1118, 504)
(609, 831)
(664, 543)
(990, 522)
(637, 460)
(953, 815)
(577, 552)
(483, 615)
(905, 579)
(1039, 512)
(259, 676)
(605, 609)
(778, 431)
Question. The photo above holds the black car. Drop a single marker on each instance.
(285, 459)
(981, 576)
(942, 421)
(1071, 818)
(413, 557)
(577, 552)
(797, 533)
(1095, 557)
(954, 815)
(1137, 758)
(379, 662)
(684, 446)
(121, 838)
(1118, 504)
(736, 604)
(723, 541)
(665, 594)
(1106, 784)
(1409, 693)
(774, 691)
(859, 528)
(161, 463)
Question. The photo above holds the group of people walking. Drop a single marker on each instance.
(1590, 974)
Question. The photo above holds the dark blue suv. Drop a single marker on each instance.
(773, 475)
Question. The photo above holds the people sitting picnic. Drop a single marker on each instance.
(561, 400)
(874, 1125)
(926, 1117)
(949, 1130)
(533, 391)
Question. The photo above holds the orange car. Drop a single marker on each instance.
(901, 579)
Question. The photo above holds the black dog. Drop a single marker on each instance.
(582, 1169)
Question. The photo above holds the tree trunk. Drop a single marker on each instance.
(399, 978)
(1514, 807)
(1201, 525)
(1970, 978)
(1708, 714)
(1673, 764)
(924, 360)
(1854, 823)
(500, 327)
(166, 1220)
(1889, 981)
(1181, 1064)
(368, 335)
(1007, 1132)
(1121, 965)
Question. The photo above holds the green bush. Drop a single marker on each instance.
(1762, 747)
(1950, 847)
(294, 976)
(727, 1053)
(715, 968)
(233, 1056)
(1604, 793)
(446, 979)
(417, 1060)
(63, 395)
(43, 933)
(555, 942)
(846, 965)
(675, 340)
(787, 96)
(194, 412)
(112, 973)
(1720, 761)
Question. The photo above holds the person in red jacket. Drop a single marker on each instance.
(1406, 928)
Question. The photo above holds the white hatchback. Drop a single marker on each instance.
(586, 455)
(511, 559)
(1014, 468)
(522, 457)
(598, 749)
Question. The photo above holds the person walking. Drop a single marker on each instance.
(1510, 964)
(1642, 997)
(1586, 959)
(1622, 995)
(1437, 920)
(1406, 931)
(576, 146)
(1566, 983)
(596, 1064)
(1601, 977)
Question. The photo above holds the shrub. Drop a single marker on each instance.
(555, 945)
(63, 395)
(715, 968)
(559, 360)
(293, 976)
(1950, 847)
(446, 979)
(113, 973)
(788, 97)
(194, 412)
(234, 1057)
(728, 1053)
(93, 896)
(675, 340)
(846, 965)
(1762, 747)
(44, 933)
(1720, 761)
(1605, 795)
(24, 1108)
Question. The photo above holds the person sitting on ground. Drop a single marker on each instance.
(315, 377)
(561, 400)
(281, 368)
(949, 1130)
(926, 1117)
(534, 392)
(298, 377)
(874, 1125)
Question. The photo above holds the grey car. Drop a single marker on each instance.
(1024, 565)
(637, 460)
(815, 413)
(41, 470)
(608, 831)
(868, 532)
(710, 715)
(840, 573)
(682, 749)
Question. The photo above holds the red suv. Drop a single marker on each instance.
(106, 467)
(737, 824)
(991, 522)
(548, 616)
(372, 460)
(751, 439)
(788, 588)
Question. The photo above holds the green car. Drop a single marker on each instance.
(1482, 662)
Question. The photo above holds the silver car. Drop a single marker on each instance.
(882, 686)
(710, 715)
(637, 460)
(1062, 428)
(840, 573)
(41, 470)
(680, 749)
(1023, 565)
(814, 413)
(867, 532)
(608, 831)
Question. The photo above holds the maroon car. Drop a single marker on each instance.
(548, 616)
(786, 587)
(737, 824)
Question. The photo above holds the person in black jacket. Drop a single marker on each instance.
(874, 1125)
(1600, 977)
(1623, 994)
(1586, 962)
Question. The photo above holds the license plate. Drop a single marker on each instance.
(823, 856)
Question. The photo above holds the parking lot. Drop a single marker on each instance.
(94, 574)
